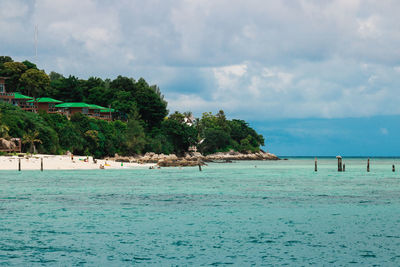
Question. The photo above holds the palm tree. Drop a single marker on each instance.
(31, 138)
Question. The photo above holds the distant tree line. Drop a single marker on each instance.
(142, 123)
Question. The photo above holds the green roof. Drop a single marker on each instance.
(21, 96)
(107, 110)
(84, 105)
(45, 100)
(102, 109)
(73, 105)
(95, 106)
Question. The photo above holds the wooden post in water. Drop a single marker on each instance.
(41, 164)
(315, 163)
(344, 167)
(199, 163)
(368, 165)
(19, 164)
(339, 163)
(393, 168)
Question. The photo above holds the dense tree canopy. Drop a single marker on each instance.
(141, 124)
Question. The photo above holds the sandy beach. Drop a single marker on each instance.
(62, 162)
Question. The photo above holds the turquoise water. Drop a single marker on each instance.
(277, 213)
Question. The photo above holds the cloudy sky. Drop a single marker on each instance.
(316, 77)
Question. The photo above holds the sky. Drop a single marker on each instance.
(315, 77)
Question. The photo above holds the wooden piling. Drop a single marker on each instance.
(344, 167)
(315, 163)
(199, 163)
(19, 164)
(41, 164)
(393, 168)
(368, 165)
(339, 163)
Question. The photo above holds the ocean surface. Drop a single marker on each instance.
(258, 213)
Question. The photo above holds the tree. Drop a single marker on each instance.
(55, 76)
(101, 96)
(35, 82)
(157, 90)
(122, 83)
(29, 64)
(14, 70)
(135, 136)
(4, 59)
(150, 106)
(67, 89)
(180, 135)
(215, 140)
(31, 137)
(90, 83)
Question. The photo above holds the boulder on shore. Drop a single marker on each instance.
(194, 158)
(6, 144)
(233, 155)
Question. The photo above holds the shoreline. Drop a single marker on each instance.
(149, 160)
(64, 162)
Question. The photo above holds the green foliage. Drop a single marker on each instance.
(20, 123)
(29, 64)
(4, 59)
(177, 133)
(13, 70)
(34, 82)
(135, 136)
(55, 76)
(215, 140)
(67, 89)
(31, 138)
(151, 107)
(142, 127)
(219, 134)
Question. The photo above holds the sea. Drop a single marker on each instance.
(247, 213)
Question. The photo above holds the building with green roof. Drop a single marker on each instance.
(21, 96)
(45, 100)
(45, 103)
(21, 101)
(70, 109)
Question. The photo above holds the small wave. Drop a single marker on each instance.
(221, 263)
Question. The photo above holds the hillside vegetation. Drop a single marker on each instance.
(142, 123)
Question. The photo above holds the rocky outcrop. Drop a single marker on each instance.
(233, 155)
(193, 158)
(6, 144)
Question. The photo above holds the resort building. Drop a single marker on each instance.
(95, 111)
(4, 96)
(106, 113)
(69, 109)
(45, 103)
(23, 102)
(101, 112)
(15, 99)
(51, 105)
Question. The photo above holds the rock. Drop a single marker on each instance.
(232, 155)
(196, 158)
(5, 144)
(123, 159)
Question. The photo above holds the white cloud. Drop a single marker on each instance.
(300, 58)
(12, 9)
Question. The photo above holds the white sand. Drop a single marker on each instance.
(53, 162)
